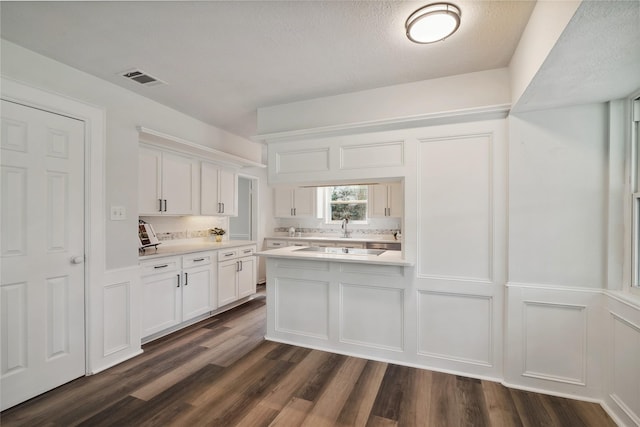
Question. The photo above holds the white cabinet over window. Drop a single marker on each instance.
(385, 200)
(219, 190)
(167, 183)
(295, 202)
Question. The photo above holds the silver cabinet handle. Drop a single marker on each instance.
(77, 259)
(165, 205)
(178, 280)
(247, 251)
(160, 205)
(228, 254)
(186, 279)
(161, 266)
(198, 260)
(240, 265)
(222, 207)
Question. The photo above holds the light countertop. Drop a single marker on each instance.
(385, 258)
(190, 246)
(335, 239)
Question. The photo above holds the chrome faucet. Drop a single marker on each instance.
(345, 231)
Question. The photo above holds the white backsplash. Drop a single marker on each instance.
(311, 226)
(186, 227)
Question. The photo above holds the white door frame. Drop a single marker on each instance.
(94, 119)
(255, 183)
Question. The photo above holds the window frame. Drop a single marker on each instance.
(327, 205)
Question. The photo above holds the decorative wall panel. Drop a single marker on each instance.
(551, 352)
(372, 316)
(455, 208)
(116, 314)
(455, 327)
(307, 303)
(363, 156)
(302, 161)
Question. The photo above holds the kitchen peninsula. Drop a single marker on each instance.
(352, 302)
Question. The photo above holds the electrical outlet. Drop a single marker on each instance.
(118, 213)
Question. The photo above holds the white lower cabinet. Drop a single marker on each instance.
(176, 290)
(236, 274)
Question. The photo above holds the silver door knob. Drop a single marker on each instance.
(77, 259)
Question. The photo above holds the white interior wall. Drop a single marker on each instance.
(481, 89)
(124, 111)
(557, 196)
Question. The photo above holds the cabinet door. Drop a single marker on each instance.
(227, 276)
(283, 202)
(228, 192)
(304, 202)
(161, 302)
(209, 189)
(395, 200)
(149, 181)
(196, 292)
(377, 200)
(247, 277)
(178, 184)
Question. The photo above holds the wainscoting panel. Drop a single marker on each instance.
(117, 317)
(551, 352)
(622, 394)
(554, 339)
(455, 207)
(372, 316)
(307, 303)
(456, 327)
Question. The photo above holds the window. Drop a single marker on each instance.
(347, 201)
(635, 189)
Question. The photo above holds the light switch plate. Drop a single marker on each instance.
(118, 213)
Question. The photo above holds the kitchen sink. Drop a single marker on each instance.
(342, 251)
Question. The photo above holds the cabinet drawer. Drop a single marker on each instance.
(160, 266)
(228, 254)
(272, 244)
(198, 259)
(246, 251)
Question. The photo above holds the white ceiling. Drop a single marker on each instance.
(224, 59)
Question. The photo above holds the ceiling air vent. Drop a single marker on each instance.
(142, 78)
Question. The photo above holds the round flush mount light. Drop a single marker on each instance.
(433, 23)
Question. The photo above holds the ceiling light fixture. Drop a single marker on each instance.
(433, 23)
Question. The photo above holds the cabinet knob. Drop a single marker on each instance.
(77, 259)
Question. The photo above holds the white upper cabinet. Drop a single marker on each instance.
(219, 190)
(167, 183)
(385, 200)
(294, 202)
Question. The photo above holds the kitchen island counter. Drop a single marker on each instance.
(385, 258)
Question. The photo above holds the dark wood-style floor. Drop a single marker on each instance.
(221, 372)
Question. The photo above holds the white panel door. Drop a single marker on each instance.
(42, 251)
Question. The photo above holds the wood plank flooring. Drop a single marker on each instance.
(221, 372)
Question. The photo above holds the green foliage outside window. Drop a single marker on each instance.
(348, 201)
